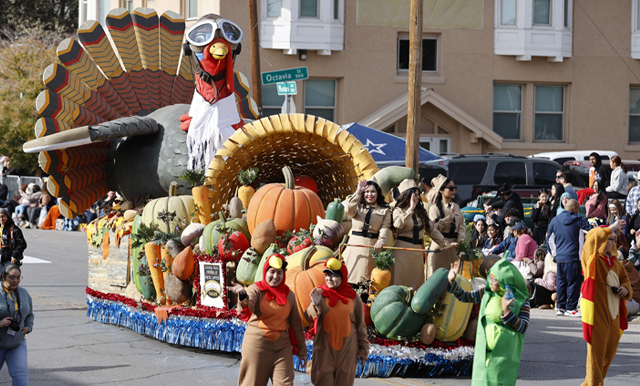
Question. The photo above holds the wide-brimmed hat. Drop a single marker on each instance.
(504, 189)
(406, 185)
(436, 183)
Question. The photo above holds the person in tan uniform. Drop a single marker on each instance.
(448, 219)
(605, 290)
(371, 219)
(411, 221)
(274, 326)
(341, 334)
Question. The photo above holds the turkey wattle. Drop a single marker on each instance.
(136, 129)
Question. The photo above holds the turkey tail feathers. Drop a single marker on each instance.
(171, 34)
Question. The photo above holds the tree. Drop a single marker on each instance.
(23, 58)
(48, 15)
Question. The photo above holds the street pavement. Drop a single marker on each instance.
(67, 348)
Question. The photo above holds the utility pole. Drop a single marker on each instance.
(415, 82)
(255, 54)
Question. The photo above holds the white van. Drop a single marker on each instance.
(574, 155)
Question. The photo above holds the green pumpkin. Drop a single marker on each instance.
(428, 294)
(247, 266)
(273, 248)
(213, 231)
(144, 284)
(393, 317)
(335, 211)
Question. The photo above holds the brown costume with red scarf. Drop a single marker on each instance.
(341, 334)
(266, 348)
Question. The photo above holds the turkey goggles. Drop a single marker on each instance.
(204, 32)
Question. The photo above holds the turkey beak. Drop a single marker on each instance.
(218, 50)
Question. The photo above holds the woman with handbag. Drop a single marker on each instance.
(12, 242)
(16, 321)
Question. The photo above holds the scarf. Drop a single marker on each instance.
(282, 290)
(342, 293)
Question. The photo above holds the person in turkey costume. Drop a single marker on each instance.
(341, 334)
(501, 323)
(273, 330)
(605, 290)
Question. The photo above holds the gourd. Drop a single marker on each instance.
(427, 333)
(381, 274)
(246, 192)
(328, 233)
(181, 205)
(430, 291)
(335, 211)
(152, 251)
(273, 248)
(303, 279)
(232, 247)
(391, 176)
(178, 291)
(192, 231)
(290, 207)
(392, 316)
(319, 253)
(263, 236)
(214, 231)
(247, 266)
(451, 316)
(306, 182)
(144, 284)
(184, 265)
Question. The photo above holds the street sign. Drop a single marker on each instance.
(287, 88)
(291, 74)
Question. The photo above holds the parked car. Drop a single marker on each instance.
(580, 171)
(574, 155)
(474, 174)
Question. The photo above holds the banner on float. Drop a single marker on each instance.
(212, 285)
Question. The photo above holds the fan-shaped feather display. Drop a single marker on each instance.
(110, 111)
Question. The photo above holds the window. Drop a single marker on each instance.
(566, 13)
(192, 9)
(320, 98)
(549, 113)
(308, 8)
(437, 145)
(271, 101)
(467, 173)
(634, 115)
(544, 174)
(508, 12)
(336, 9)
(542, 12)
(429, 54)
(273, 8)
(511, 172)
(83, 10)
(507, 110)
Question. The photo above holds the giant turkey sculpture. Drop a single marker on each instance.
(104, 127)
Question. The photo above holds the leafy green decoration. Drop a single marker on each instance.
(384, 259)
(193, 177)
(143, 235)
(465, 249)
(246, 177)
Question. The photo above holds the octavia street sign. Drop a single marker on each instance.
(291, 74)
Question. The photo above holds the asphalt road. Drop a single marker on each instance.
(67, 348)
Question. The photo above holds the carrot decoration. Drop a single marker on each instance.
(153, 253)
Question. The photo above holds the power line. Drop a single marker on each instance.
(607, 40)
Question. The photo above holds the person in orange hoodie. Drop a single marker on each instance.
(274, 330)
(605, 290)
(341, 334)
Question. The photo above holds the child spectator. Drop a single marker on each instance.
(493, 238)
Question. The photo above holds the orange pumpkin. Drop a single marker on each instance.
(290, 207)
(183, 265)
(304, 278)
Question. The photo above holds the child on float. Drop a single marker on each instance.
(274, 326)
(502, 323)
(337, 314)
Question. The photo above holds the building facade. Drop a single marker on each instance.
(516, 76)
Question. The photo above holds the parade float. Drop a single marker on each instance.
(273, 185)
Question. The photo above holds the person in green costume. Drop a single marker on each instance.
(501, 329)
